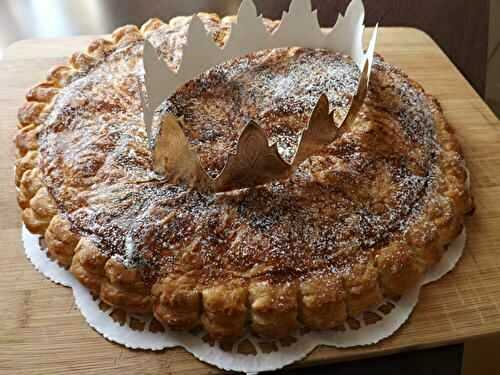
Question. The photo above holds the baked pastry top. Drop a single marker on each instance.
(362, 220)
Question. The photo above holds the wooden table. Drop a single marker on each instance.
(41, 331)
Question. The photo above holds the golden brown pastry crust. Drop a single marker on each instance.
(61, 241)
(177, 302)
(272, 307)
(323, 302)
(87, 265)
(124, 288)
(225, 310)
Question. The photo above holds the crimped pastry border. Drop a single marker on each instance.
(177, 301)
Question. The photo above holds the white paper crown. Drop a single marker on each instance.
(299, 27)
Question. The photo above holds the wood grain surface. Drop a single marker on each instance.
(41, 330)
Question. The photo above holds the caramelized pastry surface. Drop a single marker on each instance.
(363, 219)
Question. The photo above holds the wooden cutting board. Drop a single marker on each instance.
(41, 330)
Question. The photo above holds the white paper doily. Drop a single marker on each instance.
(264, 356)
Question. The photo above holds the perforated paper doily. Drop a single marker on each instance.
(249, 354)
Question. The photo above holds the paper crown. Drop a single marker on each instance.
(255, 162)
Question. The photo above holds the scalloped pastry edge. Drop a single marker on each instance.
(225, 310)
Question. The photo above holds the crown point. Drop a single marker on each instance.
(247, 8)
(252, 133)
(252, 124)
(322, 105)
(356, 7)
(196, 31)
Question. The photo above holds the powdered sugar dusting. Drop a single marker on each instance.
(364, 190)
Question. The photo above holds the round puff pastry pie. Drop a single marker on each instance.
(362, 220)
